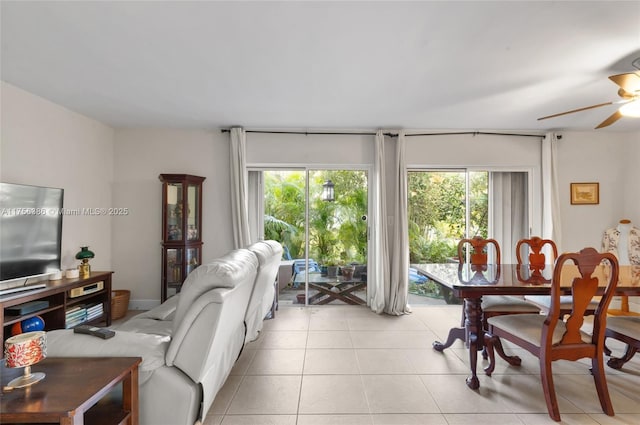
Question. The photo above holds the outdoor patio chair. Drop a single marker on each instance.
(299, 267)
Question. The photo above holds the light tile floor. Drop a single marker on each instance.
(344, 365)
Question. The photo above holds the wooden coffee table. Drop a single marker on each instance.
(76, 390)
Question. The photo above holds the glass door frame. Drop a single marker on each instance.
(259, 209)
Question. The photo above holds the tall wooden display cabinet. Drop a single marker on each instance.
(181, 229)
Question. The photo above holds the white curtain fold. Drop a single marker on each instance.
(510, 206)
(239, 192)
(396, 292)
(551, 224)
(379, 250)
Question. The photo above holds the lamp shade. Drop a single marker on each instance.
(25, 349)
(84, 253)
(22, 351)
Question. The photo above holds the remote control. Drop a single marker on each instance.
(95, 331)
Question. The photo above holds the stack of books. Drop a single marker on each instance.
(75, 315)
(94, 311)
(82, 313)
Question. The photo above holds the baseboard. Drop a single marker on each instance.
(143, 304)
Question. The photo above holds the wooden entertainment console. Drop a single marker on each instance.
(60, 301)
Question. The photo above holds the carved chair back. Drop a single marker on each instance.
(479, 248)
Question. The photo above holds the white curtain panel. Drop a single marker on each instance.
(551, 225)
(396, 293)
(239, 193)
(256, 205)
(378, 268)
(510, 206)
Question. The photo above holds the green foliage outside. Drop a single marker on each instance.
(337, 235)
(437, 214)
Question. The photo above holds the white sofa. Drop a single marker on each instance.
(189, 343)
(160, 319)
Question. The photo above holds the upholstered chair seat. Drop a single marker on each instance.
(501, 303)
(627, 330)
(528, 327)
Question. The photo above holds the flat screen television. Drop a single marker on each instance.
(30, 231)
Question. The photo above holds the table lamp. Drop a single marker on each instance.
(22, 351)
(85, 255)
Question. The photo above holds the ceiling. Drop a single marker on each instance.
(325, 65)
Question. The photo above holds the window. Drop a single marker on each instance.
(446, 205)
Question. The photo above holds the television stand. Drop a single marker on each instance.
(61, 300)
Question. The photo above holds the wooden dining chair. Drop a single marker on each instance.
(533, 252)
(553, 336)
(534, 247)
(627, 330)
(478, 250)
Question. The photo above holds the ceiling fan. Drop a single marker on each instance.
(629, 92)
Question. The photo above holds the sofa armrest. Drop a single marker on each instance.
(164, 311)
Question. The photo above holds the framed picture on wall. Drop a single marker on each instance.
(585, 193)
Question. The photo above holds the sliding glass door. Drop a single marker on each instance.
(320, 217)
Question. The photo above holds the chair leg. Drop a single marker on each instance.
(546, 376)
(617, 363)
(597, 367)
(489, 341)
(512, 360)
(485, 354)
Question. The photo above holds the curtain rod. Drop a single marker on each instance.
(476, 133)
(307, 133)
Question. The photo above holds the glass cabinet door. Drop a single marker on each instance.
(173, 210)
(193, 231)
(174, 267)
(193, 259)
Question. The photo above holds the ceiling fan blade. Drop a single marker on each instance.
(630, 82)
(586, 108)
(612, 118)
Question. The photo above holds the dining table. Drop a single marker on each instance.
(471, 282)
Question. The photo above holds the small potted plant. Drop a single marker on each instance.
(332, 267)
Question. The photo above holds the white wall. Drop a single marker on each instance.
(612, 160)
(140, 157)
(631, 193)
(316, 149)
(44, 144)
